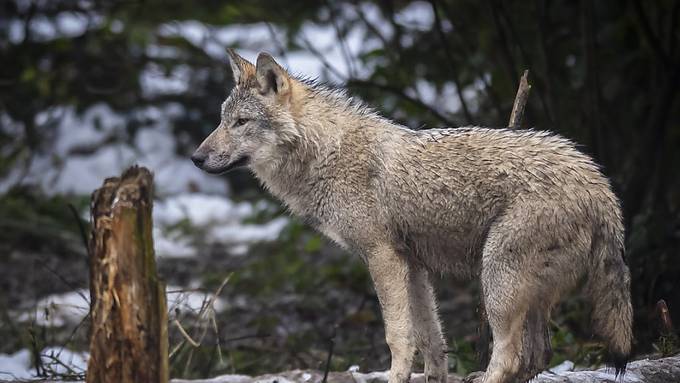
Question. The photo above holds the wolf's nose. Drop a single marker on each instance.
(199, 158)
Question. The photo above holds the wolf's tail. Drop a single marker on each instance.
(608, 288)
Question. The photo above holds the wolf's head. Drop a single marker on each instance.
(256, 118)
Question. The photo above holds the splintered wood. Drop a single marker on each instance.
(128, 335)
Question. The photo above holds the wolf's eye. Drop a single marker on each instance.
(240, 121)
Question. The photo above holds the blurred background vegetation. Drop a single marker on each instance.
(80, 80)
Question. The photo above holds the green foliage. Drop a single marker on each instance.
(667, 345)
(567, 346)
(463, 358)
(26, 215)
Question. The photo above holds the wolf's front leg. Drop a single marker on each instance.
(390, 273)
(427, 327)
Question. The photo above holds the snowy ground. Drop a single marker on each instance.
(19, 365)
(193, 211)
(667, 369)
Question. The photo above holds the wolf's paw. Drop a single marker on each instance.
(474, 377)
(432, 378)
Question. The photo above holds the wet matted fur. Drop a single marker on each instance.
(523, 211)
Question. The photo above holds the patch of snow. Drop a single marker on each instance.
(273, 379)
(171, 245)
(88, 147)
(200, 209)
(248, 232)
(256, 37)
(218, 379)
(373, 15)
(417, 15)
(58, 310)
(117, 26)
(70, 308)
(42, 28)
(353, 368)
(154, 80)
(162, 51)
(58, 359)
(220, 219)
(72, 24)
(16, 31)
(191, 300)
(375, 376)
(567, 365)
(83, 174)
(16, 366)
(239, 250)
(19, 365)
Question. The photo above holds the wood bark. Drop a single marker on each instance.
(128, 334)
(520, 103)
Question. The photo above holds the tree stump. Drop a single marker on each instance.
(128, 334)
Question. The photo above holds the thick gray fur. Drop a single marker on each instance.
(523, 211)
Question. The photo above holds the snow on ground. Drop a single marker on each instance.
(58, 310)
(192, 300)
(218, 218)
(69, 309)
(16, 366)
(87, 147)
(93, 145)
(319, 37)
(20, 365)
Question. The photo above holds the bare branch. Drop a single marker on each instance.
(649, 34)
(399, 93)
(520, 102)
(447, 52)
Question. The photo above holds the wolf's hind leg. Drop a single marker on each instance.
(505, 360)
(391, 277)
(428, 331)
(506, 301)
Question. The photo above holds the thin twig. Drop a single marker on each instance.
(206, 313)
(452, 65)
(401, 94)
(279, 46)
(343, 44)
(331, 346)
(520, 102)
(64, 280)
(320, 56)
(185, 334)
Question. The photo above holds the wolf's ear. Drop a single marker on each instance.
(271, 77)
(240, 67)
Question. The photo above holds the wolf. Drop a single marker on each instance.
(522, 211)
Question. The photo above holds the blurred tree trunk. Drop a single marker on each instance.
(128, 337)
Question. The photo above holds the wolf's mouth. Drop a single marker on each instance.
(239, 163)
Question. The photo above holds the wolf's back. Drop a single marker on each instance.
(471, 176)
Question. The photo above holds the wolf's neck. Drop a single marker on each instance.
(324, 123)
